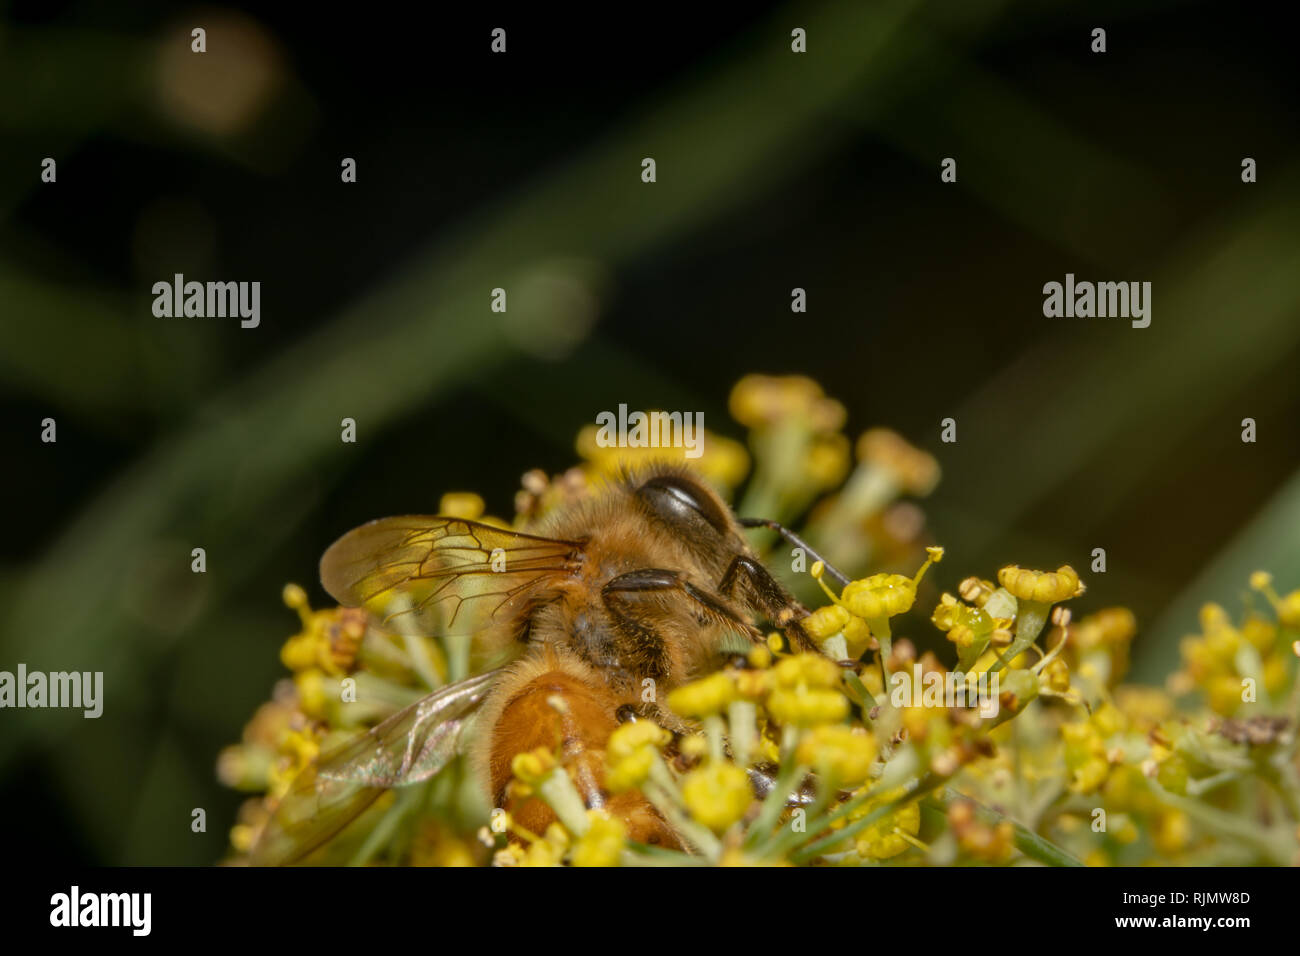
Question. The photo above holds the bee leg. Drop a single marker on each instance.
(653, 712)
(625, 592)
(770, 598)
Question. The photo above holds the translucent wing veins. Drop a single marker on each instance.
(441, 576)
(406, 748)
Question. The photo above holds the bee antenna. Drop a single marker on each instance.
(839, 576)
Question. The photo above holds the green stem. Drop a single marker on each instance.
(384, 829)
(559, 793)
(642, 854)
(864, 699)
(742, 716)
(880, 627)
(1272, 845)
(713, 727)
(1284, 782)
(1030, 618)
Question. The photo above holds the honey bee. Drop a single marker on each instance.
(637, 587)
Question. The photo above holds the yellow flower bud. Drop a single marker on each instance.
(841, 755)
(857, 637)
(603, 841)
(1107, 627)
(881, 595)
(827, 461)
(915, 471)
(633, 736)
(812, 670)
(1172, 832)
(312, 698)
(630, 771)
(533, 766)
(1275, 674)
(717, 794)
(1288, 610)
(694, 745)
(705, 697)
(542, 853)
(300, 651)
(761, 400)
(881, 839)
(461, 504)
(1259, 633)
(1047, 587)
(807, 707)
(826, 622)
(295, 597)
(1057, 676)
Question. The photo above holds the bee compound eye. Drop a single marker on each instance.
(678, 498)
(625, 714)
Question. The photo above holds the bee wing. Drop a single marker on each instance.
(409, 747)
(441, 576)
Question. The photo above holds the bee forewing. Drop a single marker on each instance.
(441, 576)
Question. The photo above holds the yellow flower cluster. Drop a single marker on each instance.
(978, 840)
(821, 758)
(763, 401)
(1085, 756)
(916, 472)
(722, 461)
(889, 835)
(1235, 666)
(885, 595)
(329, 640)
(840, 755)
(805, 692)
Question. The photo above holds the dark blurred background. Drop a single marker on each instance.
(522, 170)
